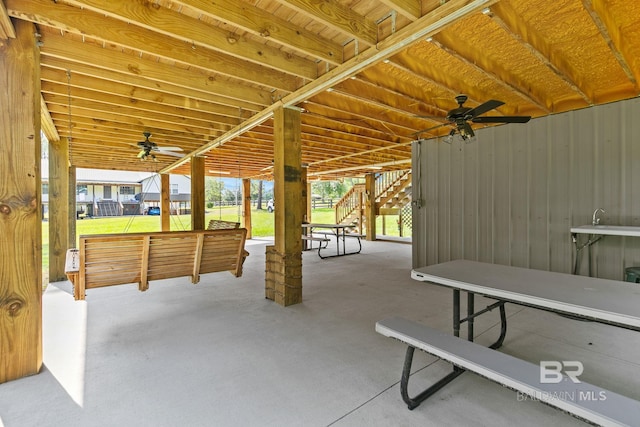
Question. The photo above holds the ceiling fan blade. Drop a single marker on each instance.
(501, 119)
(169, 153)
(429, 129)
(483, 108)
(168, 148)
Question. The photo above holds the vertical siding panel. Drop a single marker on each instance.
(418, 220)
(538, 193)
(470, 197)
(501, 200)
(431, 202)
(485, 197)
(560, 193)
(585, 169)
(456, 199)
(511, 185)
(609, 250)
(444, 202)
(518, 141)
(630, 159)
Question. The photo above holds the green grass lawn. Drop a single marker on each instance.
(261, 222)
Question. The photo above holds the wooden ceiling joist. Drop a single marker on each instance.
(207, 76)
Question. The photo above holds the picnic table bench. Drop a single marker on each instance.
(598, 300)
(125, 258)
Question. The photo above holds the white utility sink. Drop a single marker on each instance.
(608, 230)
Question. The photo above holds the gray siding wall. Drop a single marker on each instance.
(511, 196)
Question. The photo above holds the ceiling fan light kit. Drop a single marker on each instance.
(149, 148)
(461, 116)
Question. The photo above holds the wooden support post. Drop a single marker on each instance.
(305, 196)
(144, 264)
(71, 211)
(58, 208)
(246, 206)
(288, 215)
(197, 258)
(165, 202)
(197, 193)
(20, 206)
(370, 205)
(309, 199)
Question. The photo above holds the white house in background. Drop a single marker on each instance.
(102, 192)
(179, 193)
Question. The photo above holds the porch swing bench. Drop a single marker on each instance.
(127, 258)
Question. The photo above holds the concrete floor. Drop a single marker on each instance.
(219, 354)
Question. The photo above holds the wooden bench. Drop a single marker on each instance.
(323, 242)
(218, 224)
(117, 259)
(585, 401)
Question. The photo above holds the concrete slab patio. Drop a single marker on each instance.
(220, 354)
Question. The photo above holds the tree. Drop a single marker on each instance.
(259, 207)
(213, 189)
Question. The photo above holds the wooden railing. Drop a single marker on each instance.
(351, 201)
(389, 184)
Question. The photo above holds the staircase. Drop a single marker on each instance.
(392, 193)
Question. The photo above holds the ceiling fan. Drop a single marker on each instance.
(149, 149)
(460, 117)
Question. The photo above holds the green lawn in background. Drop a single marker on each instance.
(261, 221)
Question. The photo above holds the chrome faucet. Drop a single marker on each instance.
(596, 220)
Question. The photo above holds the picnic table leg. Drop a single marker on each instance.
(470, 310)
(456, 312)
(503, 328)
(414, 402)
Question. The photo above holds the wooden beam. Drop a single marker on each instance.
(54, 79)
(197, 193)
(342, 18)
(287, 195)
(428, 25)
(168, 34)
(158, 23)
(504, 15)
(90, 54)
(20, 206)
(246, 206)
(6, 27)
(165, 202)
(262, 23)
(612, 34)
(104, 79)
(412, 9)
(48, 127)
(58, 208)
(370, 205)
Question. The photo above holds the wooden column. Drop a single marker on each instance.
(370, 205)
(197, 193)
(246, 206)
(20, 206)
(71, 210)
(309, 197)
(285, 258)
(165, 202)
(58, 208)
(305, 195)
